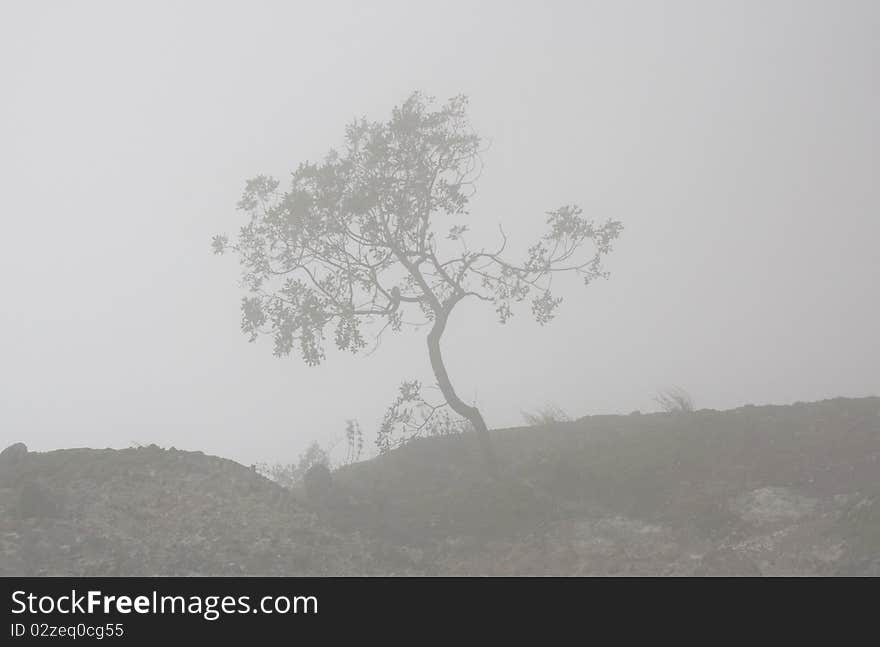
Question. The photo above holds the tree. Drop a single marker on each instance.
(378, 234)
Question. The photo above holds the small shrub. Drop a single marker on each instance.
(286, 476)
(675, 400)
(354, 440)
(411, 416)
(550, 413)
(290, 475)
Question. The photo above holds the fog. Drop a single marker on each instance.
(736, 141)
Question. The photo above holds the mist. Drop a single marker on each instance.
(736, 142)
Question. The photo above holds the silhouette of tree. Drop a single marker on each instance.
(378, 234)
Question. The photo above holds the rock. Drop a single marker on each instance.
(13, 454)
(770, 505)
(862, 520)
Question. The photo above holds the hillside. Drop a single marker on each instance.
(773, 490)
(150, 511)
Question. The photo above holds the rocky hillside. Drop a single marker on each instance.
(776, 490)
(150, 511)
(771, 490)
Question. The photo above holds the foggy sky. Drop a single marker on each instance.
(737, 141)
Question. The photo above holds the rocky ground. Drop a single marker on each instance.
(149, 511)
(780, 490)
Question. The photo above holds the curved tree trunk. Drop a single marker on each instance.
(463, 409)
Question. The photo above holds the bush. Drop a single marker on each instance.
(547, 415)
(675, 400)
(290, 475)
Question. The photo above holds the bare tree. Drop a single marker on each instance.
(378, 234)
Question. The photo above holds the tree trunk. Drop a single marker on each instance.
(472, 414)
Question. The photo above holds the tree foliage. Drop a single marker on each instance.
(357, 237)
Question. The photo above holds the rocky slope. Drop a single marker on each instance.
(777, 490)
(773, 490)
(148, 511)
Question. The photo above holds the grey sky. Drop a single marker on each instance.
(737, 141)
